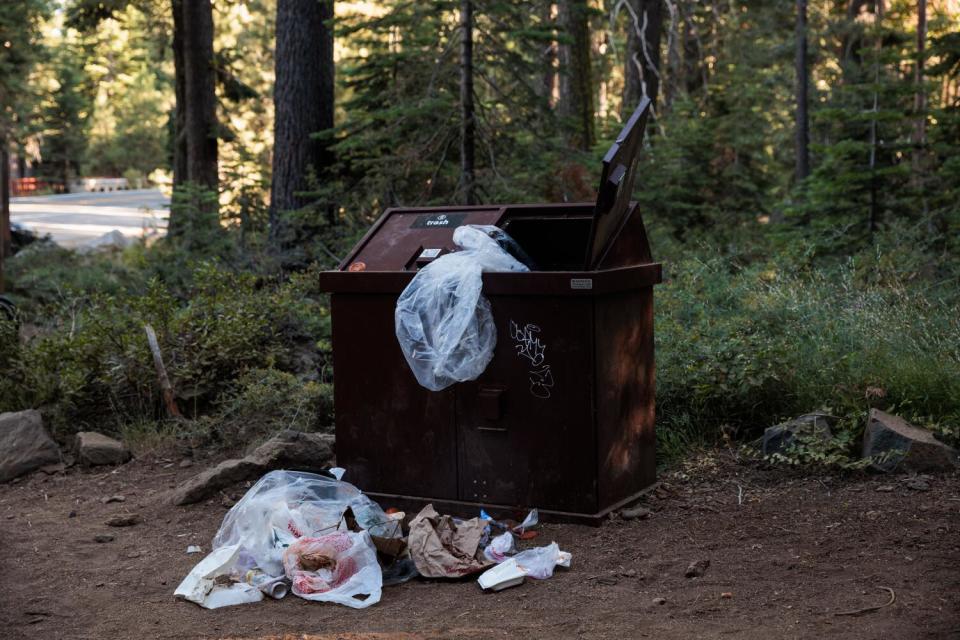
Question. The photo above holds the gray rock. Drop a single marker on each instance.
(287, 450)
(659, 601)
(126, 520)
(908, 447)
(778, 438)
(94, 449)
(102, 538)
(24, 444)
(635, 513)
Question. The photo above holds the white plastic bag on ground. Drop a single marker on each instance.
(443, 322)
(285, 505)
(500, 547)
(337, 567)
(537, 563)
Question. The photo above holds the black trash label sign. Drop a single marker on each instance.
(439, 221)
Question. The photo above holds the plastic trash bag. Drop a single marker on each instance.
(537, 563)
(443, 322)
(286, 505)
(337, 567)
(500, 547)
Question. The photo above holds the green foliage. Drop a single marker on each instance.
(268, 400)
(91, 366)
(747, 346)
(66, 117)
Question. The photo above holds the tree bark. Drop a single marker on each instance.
(179, 83)
(550, 59)
(874, 219)
(920, 98)
(803, 83)
(576, 87)
(200, 98)
(642, 65)
(670, 87)
(303, 104)
(5, 247)
(467, 121)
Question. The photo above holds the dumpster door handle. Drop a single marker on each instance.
(490, 401)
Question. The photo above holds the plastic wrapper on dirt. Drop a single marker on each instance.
(339, 567)
(443, 322)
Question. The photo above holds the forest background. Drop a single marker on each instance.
(800, 181)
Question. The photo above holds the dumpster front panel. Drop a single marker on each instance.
(525, 426)
(393, 435)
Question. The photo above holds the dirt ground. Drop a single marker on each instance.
(787, 553)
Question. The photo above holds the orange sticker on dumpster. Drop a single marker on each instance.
(357, 266)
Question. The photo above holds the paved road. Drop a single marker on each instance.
(74, 218)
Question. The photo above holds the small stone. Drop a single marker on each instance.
(193, 549)
(885, 488)
(186, 463)
(99, 584)
(915, 484)
(629, 573)
(697, 568)
(72, 514)
(659, 601)
(102, 538)
(635, 513)
(126, 520)
(133, 554)
(778, 439)
(109, 499)
(95, 449)
(726, 595)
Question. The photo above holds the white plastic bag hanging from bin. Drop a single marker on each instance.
(443, 322)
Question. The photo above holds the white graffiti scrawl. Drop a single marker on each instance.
(528, 345)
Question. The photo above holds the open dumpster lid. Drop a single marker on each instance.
(616, 184)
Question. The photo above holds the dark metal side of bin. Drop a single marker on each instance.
(562, 419)
(574, 441)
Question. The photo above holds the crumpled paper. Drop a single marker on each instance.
(443, 548)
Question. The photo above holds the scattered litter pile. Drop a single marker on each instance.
(324, 540)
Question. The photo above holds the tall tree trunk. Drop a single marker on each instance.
(642, 65)
(179, 83)
(200, 115)
(673, 55)
(303, 105)
(803, 83)
(4, 208)
(550, 59)
(874, 205)
(576, 87)
(920, 97)
(467, 121)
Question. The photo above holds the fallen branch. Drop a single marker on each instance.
(857, 612)
(165, 386)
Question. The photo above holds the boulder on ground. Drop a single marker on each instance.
(94, 449)
(907, 447)
(778, 438)
(24, 444)
(288, 449)
(110, 241)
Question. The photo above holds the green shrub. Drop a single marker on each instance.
(266, 401)
(749, 346)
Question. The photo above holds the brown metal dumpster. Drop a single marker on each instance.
(562, 419)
